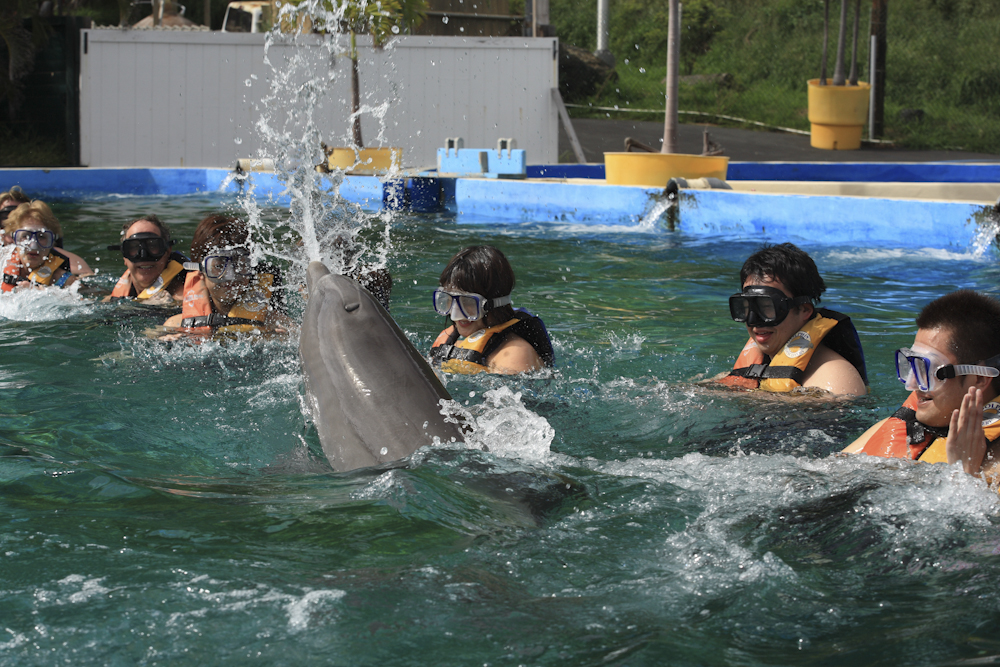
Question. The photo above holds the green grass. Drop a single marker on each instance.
(939, 60)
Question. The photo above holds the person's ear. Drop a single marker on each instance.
(982, 382)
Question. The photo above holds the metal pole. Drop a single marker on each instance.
(880, 16)
(603, 21)
(673, 51)
(871, 91)
(568, 126)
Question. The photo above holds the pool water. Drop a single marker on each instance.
(170, 503)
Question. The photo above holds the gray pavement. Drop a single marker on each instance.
(598, 135)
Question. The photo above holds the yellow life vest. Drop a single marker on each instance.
(466, 356)
(41, 276)
(787, 369)
(123, 287)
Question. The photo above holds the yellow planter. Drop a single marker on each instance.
(655, 169)
(837, 114)
(366, 160)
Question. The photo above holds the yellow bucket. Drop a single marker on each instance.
(366, 160)
(837, 114)
(655, 169)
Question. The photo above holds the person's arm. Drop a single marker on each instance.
(77, 265)
(515, 356)
(830, 371)
(279, 321)
(860, 443)
(58, 275)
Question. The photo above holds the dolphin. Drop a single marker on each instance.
(374, 398)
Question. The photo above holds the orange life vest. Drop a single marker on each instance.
(13, 271)
(785, 372)
(903, 437)
(199, 316)
(123, 288)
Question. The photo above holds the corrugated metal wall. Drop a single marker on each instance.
(191, 99)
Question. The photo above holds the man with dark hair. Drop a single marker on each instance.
(952, 371)
(792, 343)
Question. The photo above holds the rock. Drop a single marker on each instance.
(581, 73)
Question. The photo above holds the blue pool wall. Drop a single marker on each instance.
(705, 213)
(852, 172)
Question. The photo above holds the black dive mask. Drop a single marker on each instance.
(143, 247)
(759, 305)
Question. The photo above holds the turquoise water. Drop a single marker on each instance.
(170, 504)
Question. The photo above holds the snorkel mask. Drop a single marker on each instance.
(42, 238)
(465, 305)
(224, 266)
(762, 306)
(924, 369)
(143, 247)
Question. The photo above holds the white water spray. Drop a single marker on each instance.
(299, 113)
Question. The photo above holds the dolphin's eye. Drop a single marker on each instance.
(351, 307)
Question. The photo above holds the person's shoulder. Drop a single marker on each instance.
(515, 355)
(77, 264)
(831, 371)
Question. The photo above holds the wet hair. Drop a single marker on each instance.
(483, 270)
(36, 210)
(160, 225)
(15, 193)
(787, 263)
(216, 232)
(973, 322)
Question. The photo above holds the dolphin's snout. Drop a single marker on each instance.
(315, 271)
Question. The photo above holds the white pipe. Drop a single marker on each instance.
(603, 14)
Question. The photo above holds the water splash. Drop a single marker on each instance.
(651, 220)
(45, 304)
(296, 116)
(987, 222)
(501, 424)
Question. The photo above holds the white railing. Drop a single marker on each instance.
(177, 98)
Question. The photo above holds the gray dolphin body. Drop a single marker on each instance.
(374, 397)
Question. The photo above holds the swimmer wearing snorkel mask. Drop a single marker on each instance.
(952, 370)
(224, 292)
(13, 198)
(487, 334)
(153, 274)
(792, 342)
(35, 261)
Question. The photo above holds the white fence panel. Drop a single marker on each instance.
(193, 99)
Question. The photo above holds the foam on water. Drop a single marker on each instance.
(46, 305)
(501, 424)
(870, 254)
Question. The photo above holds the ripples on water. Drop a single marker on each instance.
(168, 503)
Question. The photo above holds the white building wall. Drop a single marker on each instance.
(180, 98)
